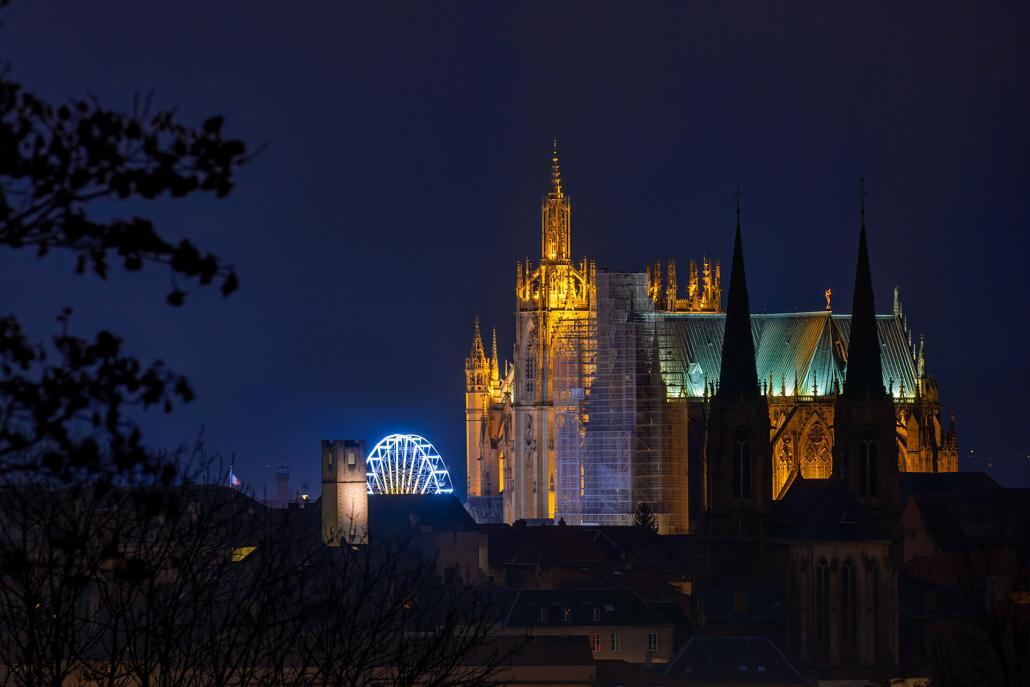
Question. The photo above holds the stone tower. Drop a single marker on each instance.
(865, 446)
(344, 493)
(555, 303)
(482, 391)
(738, 467)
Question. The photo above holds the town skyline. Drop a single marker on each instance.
(375, 195)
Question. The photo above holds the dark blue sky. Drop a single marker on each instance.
(408, 150)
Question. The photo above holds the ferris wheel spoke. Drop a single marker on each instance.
(406, 464)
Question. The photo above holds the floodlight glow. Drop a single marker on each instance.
(406, 464)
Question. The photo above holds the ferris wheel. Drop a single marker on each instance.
(406, 464)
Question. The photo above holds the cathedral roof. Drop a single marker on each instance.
(812, 345)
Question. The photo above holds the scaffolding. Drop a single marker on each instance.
(618, 441)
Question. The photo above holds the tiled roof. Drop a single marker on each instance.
(945, 483)
(822, 510)
(533, 651)
(942, 524)
(622, 674)
(813, 345)
(614, 607)
(550, 545)
(733, 661)
(762, 604)
(390, 514)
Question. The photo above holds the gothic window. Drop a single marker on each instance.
(867, 486)
(817, 460)
(741, 464)
(822, 611)
(849, 611)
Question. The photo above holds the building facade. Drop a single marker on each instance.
(607, 404)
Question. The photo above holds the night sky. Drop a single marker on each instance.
(408, 149)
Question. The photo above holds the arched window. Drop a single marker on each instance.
(849, 612)
(741, 464)
(867, 486)
(822, 611)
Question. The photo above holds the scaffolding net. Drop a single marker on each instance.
(619, 442)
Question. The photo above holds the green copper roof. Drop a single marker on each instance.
(811, 345)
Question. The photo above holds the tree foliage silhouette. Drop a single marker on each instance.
(62, 406)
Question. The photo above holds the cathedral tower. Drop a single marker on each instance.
(865, 445)
(555, 303)
(344, 493)
(738, 466)
(484, 392)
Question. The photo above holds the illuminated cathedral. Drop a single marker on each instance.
(610, 402)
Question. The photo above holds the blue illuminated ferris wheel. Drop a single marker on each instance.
(406, 464)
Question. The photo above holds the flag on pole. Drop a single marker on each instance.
(234, 481)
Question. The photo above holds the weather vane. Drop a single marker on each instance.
(737, 197)
(861, 193)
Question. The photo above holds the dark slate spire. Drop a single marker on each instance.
(864, 372)
(738, 377)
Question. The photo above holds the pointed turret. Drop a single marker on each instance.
(495, 375)
(738, 377)
(864, 374)
(477, 352)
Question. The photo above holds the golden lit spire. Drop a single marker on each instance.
(555, 171)
(495, 375)
(556, 217)
(477, 352)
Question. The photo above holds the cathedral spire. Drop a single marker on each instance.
(555, 215)
(477, 352)
(738, 376)
(555, 171)
(864, 374)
